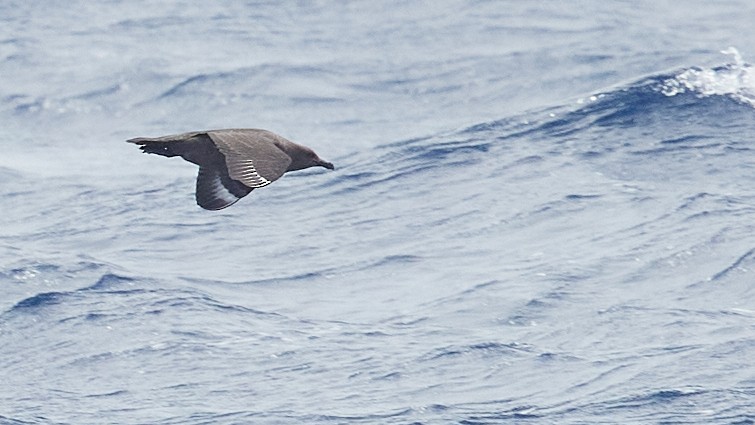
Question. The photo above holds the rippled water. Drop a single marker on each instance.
(539, 214)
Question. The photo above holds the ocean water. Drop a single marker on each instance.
(541, 213)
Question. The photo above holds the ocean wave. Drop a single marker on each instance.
(735, 80)
(4, 420)
(570, 257)
(682, 123)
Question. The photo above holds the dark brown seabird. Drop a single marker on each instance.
(233, 162)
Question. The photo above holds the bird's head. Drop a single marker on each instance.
(304, 157)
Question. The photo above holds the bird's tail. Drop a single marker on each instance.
(160, 147)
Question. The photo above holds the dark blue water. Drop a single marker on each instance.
(541, 213)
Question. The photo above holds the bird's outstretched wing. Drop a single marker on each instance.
(251, 156)
(216, 190)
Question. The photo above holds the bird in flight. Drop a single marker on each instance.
(233, 162)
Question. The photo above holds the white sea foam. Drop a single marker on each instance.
(736, 80)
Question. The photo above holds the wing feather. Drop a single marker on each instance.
(251, 156)
(216, 191)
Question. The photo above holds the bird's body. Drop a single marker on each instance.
(233, 162)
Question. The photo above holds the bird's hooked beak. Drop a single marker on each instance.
(326, 164)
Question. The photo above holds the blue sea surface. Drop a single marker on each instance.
(541, 213)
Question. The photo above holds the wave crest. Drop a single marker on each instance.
(735, 80)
